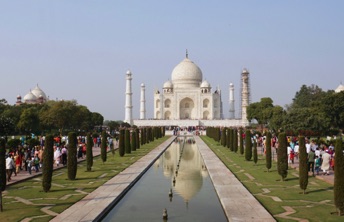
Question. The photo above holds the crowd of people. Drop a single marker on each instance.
(30, 159)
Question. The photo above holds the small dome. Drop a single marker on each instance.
(245, 71)
(339, 88)
(38, 92)
(30, 98)
(128, 72)
(186, 74)
(205, 84)
(142, 85)
(168, 84)
(19, 97)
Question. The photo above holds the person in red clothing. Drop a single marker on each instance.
(18, 160)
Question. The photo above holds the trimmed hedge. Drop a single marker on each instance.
(72, 162)
(48, 163)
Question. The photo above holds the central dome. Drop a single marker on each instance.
(186, 74)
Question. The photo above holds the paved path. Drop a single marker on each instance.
(238, 203)
(327, 178)
(24, 175)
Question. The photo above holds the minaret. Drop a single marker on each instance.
(245, 96)
(231, 102)
(128, 100)
(143, 102)
(221, 106)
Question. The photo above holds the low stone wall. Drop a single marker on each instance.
(185, 123)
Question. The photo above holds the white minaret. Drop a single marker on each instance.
(231, 101)
(128, 100)
(245, 95)
(143, 102)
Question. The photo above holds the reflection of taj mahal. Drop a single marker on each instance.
(188, 100)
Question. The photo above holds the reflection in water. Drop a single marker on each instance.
(190, 198)
(183, 162)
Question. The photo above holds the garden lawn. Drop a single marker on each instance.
(274, 194)
(26, 200)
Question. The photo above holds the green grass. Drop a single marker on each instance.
(316, 205)
(64, 192)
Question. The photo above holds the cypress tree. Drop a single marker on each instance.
(235, 139)
(103, 146)
(303, 166)
(268, 155)
(137, 138)
(121, 146)
(231, 139)
(241, 142)
(223, 137)
(133, 141)
(338, 177)
(127, 141)
(228, 138)
(218, 134)
(248, 146)
(255, 152)
(142, 140)
(71, 157)
(89, 152)
(48, 163)
(3, 178)
(282, 156)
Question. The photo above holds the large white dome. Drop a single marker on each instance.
(30, 98)
(186, 74)
(38, 92)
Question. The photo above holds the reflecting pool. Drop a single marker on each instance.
(177, 181)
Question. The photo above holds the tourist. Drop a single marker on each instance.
(57, 156)
(36, 161)
(64, 155)
(311, 157)
(29, 163)
(317, 161)
(18, 160)
(10, 165)
(325, 166)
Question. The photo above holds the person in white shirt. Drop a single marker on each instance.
(9, 167)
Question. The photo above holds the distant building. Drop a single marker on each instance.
(339, 88)
(35, 96)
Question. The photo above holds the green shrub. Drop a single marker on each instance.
(268, 156)
(303, 166)
(71, 156)
(248, 145)
(255, 152)
(133, 141)
(121, 146)
(89, 152)
(2, 165)
(103, 146)
(48, 163)
(13, 143)
(282, 156)
(338, 177)
(127, 141)
(241, 145)
(137, 138)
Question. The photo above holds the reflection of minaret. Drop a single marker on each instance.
(221, 107)
(231, 101)
(128, 100)
(143, 102)
(245, 95)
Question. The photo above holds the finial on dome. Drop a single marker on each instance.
(187, 55)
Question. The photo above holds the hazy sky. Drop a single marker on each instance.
(82, 49)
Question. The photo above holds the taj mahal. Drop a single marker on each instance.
(188, 100)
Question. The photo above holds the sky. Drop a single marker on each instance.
(82, 49)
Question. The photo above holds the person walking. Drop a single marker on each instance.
(10, 165)
(325, 166)
(311, 157)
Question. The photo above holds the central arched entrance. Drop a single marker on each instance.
(186, 109)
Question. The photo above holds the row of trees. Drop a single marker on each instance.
(52, 116)
(282, 157)
(313, 112)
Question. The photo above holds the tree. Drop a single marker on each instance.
(241, 142)
(2, 170)
(127, 141)
(223, 137)
(248, 145)
(268, 155)
(133, 141)
(89, 152)
(72, 164)
(29, 121)
(48, 163)
(338, 177)
(103, 147)
(121, 146)
(260, 111)
(235, 140)
(137, 138)
(306, 96)
(228, 137)
(282, 156)
(303, 166)
(255, 152)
